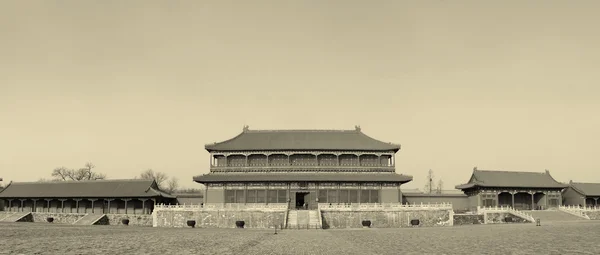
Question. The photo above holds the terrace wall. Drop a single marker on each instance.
(134, 220)
(65, 218)
(468, 219)
(385, 215)
(460, 202)
(594, 215)
(70, 218)
(220, 216)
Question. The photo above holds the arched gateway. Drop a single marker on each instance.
(302, 168)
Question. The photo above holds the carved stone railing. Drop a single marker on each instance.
(320, 217)
(383, 206)
(221, 206)
(292, 168)
(483, 209)
(578, 211)
(285, 216)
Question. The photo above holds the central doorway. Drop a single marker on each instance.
(301, 200)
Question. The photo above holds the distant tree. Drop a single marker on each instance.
(172, 185)
(440, 186)
(429, 184)
(190, 190)
(81, 174)
(162, 180)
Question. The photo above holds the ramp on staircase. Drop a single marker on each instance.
(554, 216)
(15, 217)
(89, 219)
(302, 219)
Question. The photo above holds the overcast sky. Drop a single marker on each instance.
(132, 85)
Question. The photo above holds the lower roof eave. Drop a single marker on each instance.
(85, 197)
(471, 185)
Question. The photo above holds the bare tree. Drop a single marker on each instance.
(159, 177)
(172, 185)
(429, 185)
(440, 186)
(81, 174)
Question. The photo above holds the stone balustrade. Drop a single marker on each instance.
(580, 208)
(577, 210)
(385, 206)
(221, 206)
(484, 209)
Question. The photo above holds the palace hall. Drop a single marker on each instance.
(302, 168)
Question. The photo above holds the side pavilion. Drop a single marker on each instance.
(582, 194)
(100, 196)
(519, 190)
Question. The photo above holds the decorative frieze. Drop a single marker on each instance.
(349, 185)
(370, 185)
(235, 185)
(215, 186)
(278, 185)
(389, 185)
(256, 185)
(328, 185)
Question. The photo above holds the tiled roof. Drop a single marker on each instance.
(83, 189)
(587, 189)
(511, 179)
(252, 140)
(324, 177)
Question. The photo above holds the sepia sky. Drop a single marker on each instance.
(132, 85)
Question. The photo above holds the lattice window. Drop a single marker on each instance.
(251, 198)
(353, 196)
(278, 160)
(261, 196)
(281, 196)
(322, 196)
(332, 196)
(229, 196)
(236, 160)
(348, 160)
(369, 160)
(327, 160)
(257, 160)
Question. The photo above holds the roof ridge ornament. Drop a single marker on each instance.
(474, 168)
(357, 128)
(246, 128)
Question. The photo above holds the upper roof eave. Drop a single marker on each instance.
(302, 140)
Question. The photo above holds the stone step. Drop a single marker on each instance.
(90, 219)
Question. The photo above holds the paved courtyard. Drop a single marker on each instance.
(579, 237)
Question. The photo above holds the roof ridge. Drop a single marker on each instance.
(300, 130)
(84, 181)
(509, 171)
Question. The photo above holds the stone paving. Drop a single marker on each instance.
(578, 237)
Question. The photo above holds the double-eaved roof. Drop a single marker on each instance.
(586, 189)
(511, 179)
(136, 188)
(269, 140)
(295, 177)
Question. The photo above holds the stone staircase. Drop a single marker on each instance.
(554, 216)
(4, 215)
(90, 219)
(15, 217)
(302, 219)
(313, 220)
